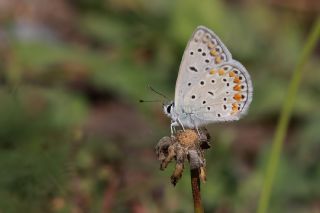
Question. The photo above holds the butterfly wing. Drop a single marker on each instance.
(203, 50)
(206, 69)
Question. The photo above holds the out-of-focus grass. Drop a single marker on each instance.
(285, 117)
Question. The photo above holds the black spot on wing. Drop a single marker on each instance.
(194, 69)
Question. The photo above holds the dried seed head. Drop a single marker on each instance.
(187, 138)
(177, 174)
(162, 147)
(184, 145)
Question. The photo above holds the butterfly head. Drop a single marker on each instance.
(168, 108)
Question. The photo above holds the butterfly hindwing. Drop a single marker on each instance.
(221, 94)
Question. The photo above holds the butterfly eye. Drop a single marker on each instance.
(202, 82)
(169, 109)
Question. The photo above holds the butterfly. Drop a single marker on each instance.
(211, 86)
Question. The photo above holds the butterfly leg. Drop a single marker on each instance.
(198, 131)
(196, 126)
(172, 126)
(181, 124)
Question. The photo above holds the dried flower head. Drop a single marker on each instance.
(187, 144)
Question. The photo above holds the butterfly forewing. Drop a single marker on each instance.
(203, 50)
(211, 86)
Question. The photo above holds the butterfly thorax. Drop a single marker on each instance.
(179, 116)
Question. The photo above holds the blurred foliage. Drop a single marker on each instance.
(285, 116)
(73, 137)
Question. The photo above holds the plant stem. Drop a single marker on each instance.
(195, 184)
(285, 117)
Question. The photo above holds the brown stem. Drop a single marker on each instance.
(195, 184)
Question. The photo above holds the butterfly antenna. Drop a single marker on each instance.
(157, 92)
(148, 101)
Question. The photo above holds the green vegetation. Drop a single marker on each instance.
(285, 116)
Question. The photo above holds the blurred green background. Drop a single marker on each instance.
(74, 138)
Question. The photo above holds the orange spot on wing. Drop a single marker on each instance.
(237, 97)
(232, 74)
(212, 72)
(218, 59)
(237, 87)
(221, 72)
(235, 107)
(236, 80)
(213, 52)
